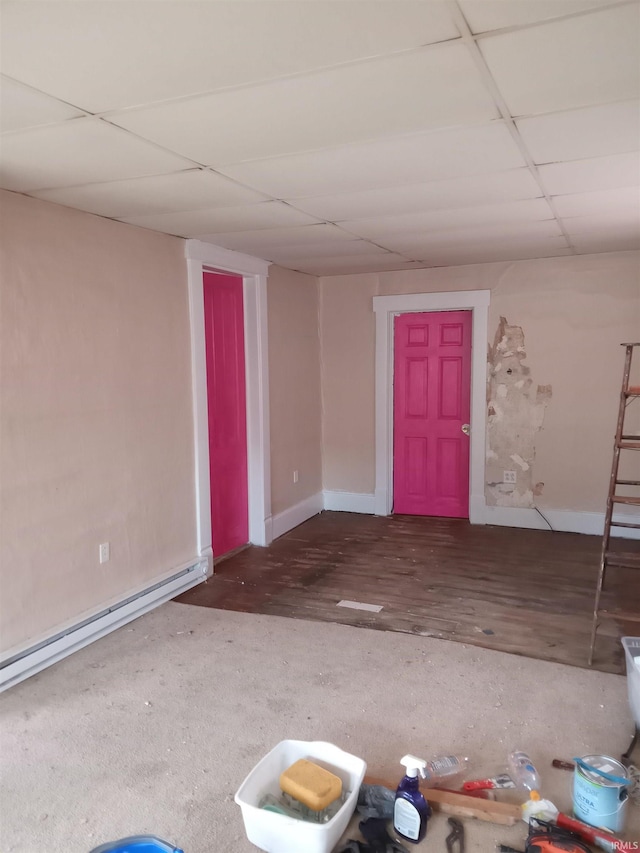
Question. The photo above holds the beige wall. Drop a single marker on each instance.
(96, 420)
(294, 387)
(573, 312)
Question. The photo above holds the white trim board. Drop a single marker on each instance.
(386, 308)
(562, 520)
(297, 514)
(203, 257)
(75, 637)
(349, 502)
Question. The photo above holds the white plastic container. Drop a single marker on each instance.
(632, 652)
(276, 833)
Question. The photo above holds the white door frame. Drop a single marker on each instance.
(202, 257)
(386, 308)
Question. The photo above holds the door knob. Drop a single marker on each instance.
(466, 429)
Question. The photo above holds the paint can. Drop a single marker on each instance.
(601, 791)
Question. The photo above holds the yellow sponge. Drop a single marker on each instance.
(311, 784)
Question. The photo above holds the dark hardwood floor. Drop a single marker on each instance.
(528, 592)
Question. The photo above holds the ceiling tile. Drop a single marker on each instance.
(622, 201)
(530, 66)
(401, 160)
(256, 242)
(191, 190)
(591, 244)
(172, 49)
(580, 134)
(491, 234)
(607, 224)
(357, 263)
(195, 223)
(509, 212)
(484, 15)
(459, 192)
(495, 255)
(599, 173)
(434, 87)
(289, 255)
(84, 150)
(22, 107)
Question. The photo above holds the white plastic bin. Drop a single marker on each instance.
(279, 834)
(632, 652)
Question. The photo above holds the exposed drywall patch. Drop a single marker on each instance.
(515, 414)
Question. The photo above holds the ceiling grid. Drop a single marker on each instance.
(359, 136)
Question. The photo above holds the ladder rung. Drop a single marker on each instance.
(629, 445)
(625, 524)
(623, 559)
(624, 499)
(633, 391)
(628, 482)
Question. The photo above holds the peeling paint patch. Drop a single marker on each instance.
(516, 411)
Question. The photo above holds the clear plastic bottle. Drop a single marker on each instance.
(523, 772)
(444, 767)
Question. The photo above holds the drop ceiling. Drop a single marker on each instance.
(333, 136)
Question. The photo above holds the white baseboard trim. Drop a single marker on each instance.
(289, 518)
(32, 660)
(566, 521)
(350, 502)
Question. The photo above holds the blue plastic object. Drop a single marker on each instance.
(137, 844)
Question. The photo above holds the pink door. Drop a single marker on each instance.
(431, 405)
(224, 337)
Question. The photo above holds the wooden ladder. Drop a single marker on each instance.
(609, 557)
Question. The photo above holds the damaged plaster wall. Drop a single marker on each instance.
(516, 412)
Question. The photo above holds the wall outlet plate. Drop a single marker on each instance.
(104, 552)
(509, 477)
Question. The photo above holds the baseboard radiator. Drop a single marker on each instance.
(58, 646)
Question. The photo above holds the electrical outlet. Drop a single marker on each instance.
(509, 477)
(105, 552)
(295, 476)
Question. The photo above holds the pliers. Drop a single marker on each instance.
(456, 835)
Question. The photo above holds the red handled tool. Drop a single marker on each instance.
(501, 781)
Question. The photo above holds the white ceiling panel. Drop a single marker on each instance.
(530, 66)
(599, 173)
(491, 255)
(385, 163)
(22, 107)
(625, 200)
(434, 87)
(507, 213)
(194, 223)
(172, 49)
(258, 242)
(355, 263)
(85, 150)
(459, 192)
(515, 232)
(603, 225)
(191, 190)
(586, 244)
(484, 15)
(289, 255)
(584, 133)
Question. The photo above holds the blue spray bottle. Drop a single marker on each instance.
(411, 811)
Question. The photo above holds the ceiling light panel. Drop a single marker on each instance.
(583, 133)
(459, 192)
(484, 15)
(434, 87)
(599, 173)
(530, 66)
(388, 162)
(172, 49)
(507, 213)
(84, 150)
(195, 223)
(191, 190)
(256, 242)
(625, 200)
(22, 107)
